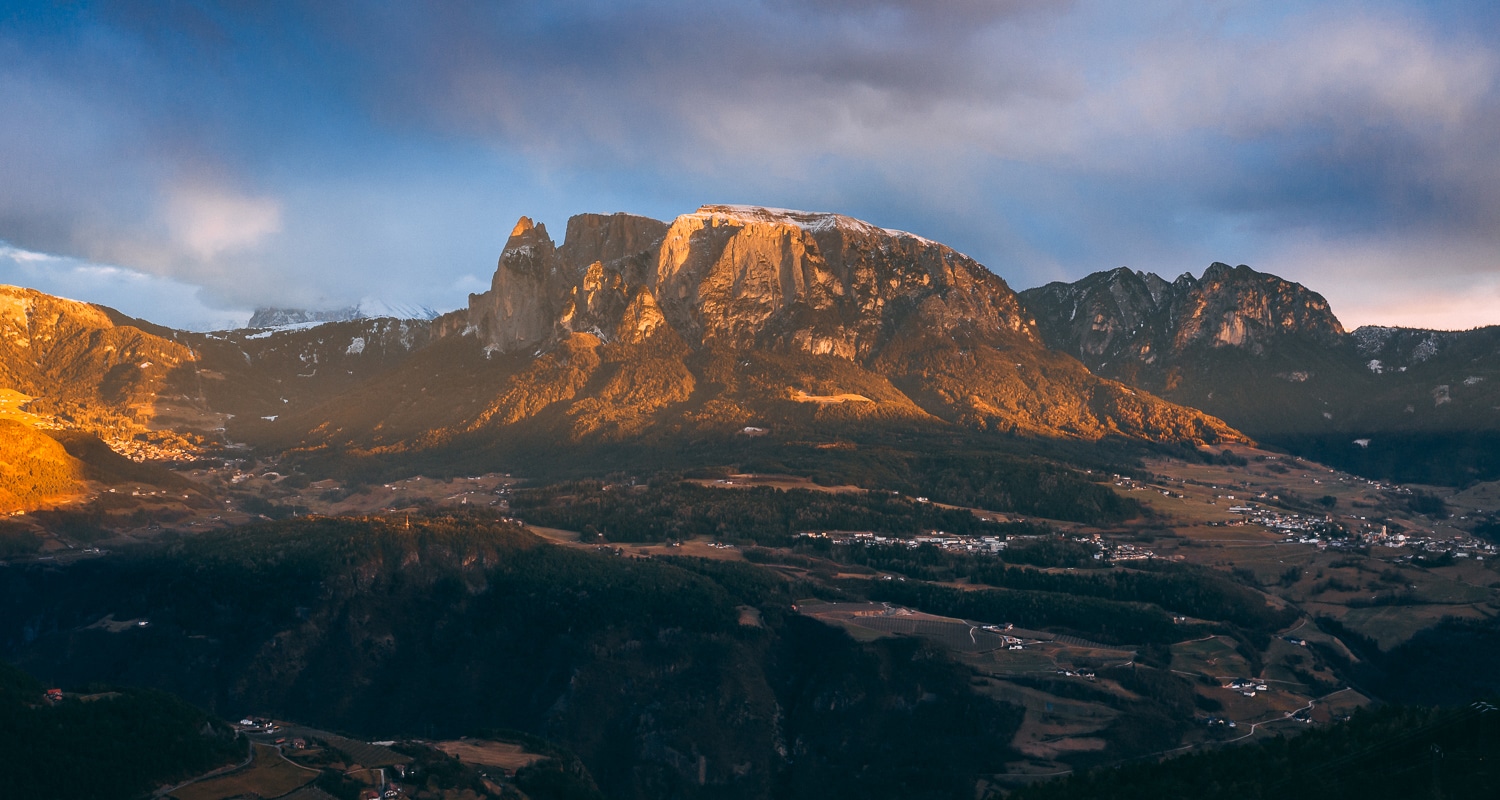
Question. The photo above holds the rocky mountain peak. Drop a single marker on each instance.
(739, 277)
(524, 225)
(1155, 284)
(527, 234)
(810, 221)
(1139, 316)
(520, 309)
(1240, 307)
(367, 308)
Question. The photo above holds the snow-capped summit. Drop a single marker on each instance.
(368, 308)
(373, 308)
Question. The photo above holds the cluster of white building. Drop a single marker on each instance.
(1325, 531)
(1458, 547)
(977, 545)
(943, 541)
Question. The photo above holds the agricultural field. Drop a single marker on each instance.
(1214, 656)
(1053, 726)
(268, 775)
(489, 753)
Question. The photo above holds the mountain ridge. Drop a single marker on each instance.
(367, 308)
(942, 329)
(1268, 356)
(633, 325)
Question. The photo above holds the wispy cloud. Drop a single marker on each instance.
(161, 300)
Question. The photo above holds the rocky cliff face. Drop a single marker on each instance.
(738, 277)
(1125, 315)
(1239, 307)
(525, 294)
(928, 329)
(541, 292)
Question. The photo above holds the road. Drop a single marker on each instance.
(166, 790)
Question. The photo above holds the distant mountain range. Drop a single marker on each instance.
(369, 308)
(802, 327)
(615, 388)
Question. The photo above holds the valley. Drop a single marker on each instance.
(1332, 590)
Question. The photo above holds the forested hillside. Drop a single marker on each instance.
(104, 744)
(457, 624)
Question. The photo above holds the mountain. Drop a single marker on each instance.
(684, 629)
(1141, 319)
(733, 316)
(1268, 356)
(78, 363)
(728, 317)
(72, 365)
(368, 308)
(734, 336)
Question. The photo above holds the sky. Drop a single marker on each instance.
(189, 162)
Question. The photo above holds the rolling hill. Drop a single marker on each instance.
(35, 469)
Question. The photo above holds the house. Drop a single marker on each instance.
(55, 695)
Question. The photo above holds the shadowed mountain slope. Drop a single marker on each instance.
(1268, 356)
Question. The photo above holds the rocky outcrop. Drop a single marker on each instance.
(1121, 315)
(739, 277)
(526, 293)
(540, 292)
(947, 335)
(616, 240)
(1239, 307)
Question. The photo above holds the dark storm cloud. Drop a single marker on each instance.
(313, 153)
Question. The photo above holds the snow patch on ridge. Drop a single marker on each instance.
(810, 221)
(289, 319)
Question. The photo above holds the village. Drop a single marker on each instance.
(1106, 549)
(1325, 531)
(289, 761)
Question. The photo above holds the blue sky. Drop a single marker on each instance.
(187, 162)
